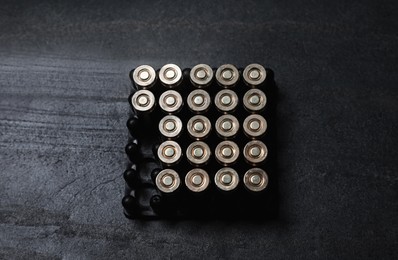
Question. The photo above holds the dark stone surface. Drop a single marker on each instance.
(63, 87)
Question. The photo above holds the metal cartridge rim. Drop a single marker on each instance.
(197, 180)
(199, 126)
(226, 179)
(255, 152)
(254, 100)
(143, 100)
(167, 180)
(198, 100)
(170, 75)
(227, 152)
(254, 125)
(254, 74)
(169, 152)
(170, 126)
(227, 75)
(144, 76)
(170, 101)
(201, 75)
(255, 179)
(198, 153)
(226, 100)
(227, 126)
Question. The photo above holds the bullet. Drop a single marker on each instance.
(143, 101)
(254, 100)
(197, 180)
(198, 153)
(133, 124)
(131, 177)
(255, 179)
(227, 75)
(201, 75)
(170, 101)
(170, 126)
(255, 152)
(254, 125)
(227, 126)
(169, 152)
(198, 101)
(170, 75)
(227, 152)
(132, 150)
(226, 179)
(199, 127)
(167, 181)
(254, 75)
(226, 100)
(131, 206)
(144, 77)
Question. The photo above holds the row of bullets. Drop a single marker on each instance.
(198, 180)
(201, 76)
(226, 126)
(198, 101)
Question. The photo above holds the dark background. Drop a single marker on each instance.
(63, 88)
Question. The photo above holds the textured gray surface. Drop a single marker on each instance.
(63, 88)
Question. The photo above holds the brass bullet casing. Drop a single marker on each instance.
(255, 179)
(255, 152)
(227, 126)
(201, 75)
(198, 101)
(254, 100)
(169, 152)
(254, 75)
(226, 100)
(144, 76)
(143, 101)
(170, 101)
(226, 179)
(227, 75)
(199, 127)
(167, 181)
(254, 125)
(198, 153)
(170, 75)
(170, 126)
(197, 180)
(227, 152)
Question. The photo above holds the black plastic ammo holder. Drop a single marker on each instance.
(142, 198)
